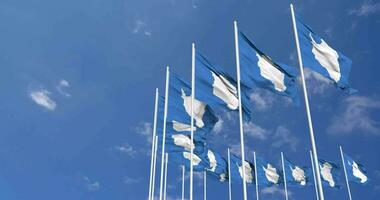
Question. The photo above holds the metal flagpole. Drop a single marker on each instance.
(204, 185)
(183, 182)
(315, 179)
(284, 174)
(192, 117)
(256, 179)
(154, 166)
(164, 131)
(240, 109)
(345, 172)
(166, 174)
(153, 144)
(313, 145)
(229, 175)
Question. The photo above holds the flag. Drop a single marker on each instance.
(218, 88)
(182, 143)
(267, 174)
(258, 70)
(296, 175)
(217, 166)
(322, 58)
(183, 158)
(355, 171)
(237, 171)
(329, 173)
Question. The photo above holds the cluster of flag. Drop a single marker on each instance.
(186, 114)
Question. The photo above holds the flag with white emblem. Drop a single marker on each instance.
(355, 171)
(296, 175)
(218, 88)
(217, 165)
(267, 174)
(322, 58)
(329, 173)
(258, 70)
(183, 158)
(237, 170)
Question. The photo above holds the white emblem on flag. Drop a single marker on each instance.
(196, 159)
(270, 72)
(248, 172)
(183, 141)
(357, 172)
(181, 127)
(271, 174)
(223, 89)
(327, 174)
(212, 160)
(199, 109)
(299, 175)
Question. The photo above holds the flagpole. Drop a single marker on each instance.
(183, 182)
(229, 174)
(166, 173)
(240, 109)
(192, 117)
(315, 179)
(313, 145)
(154, 166)
(164, 131)
(284, 174)
(345, 172)
(204, 185)
(256, 179)
(153, 144)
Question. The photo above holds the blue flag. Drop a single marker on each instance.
(218, 88)
(181, 143)
(296, 175)
(237, 171)
(320, 57)
(355, 171)
(267, 174)
(183, 158)
(217, 166)
(329, 173)
(258, 70)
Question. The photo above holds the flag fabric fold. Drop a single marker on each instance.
(355, 171)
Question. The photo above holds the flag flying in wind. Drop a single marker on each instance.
(355, 171)
(237, 171)
(329, 173)
(267, 174)
(216, 87)
(183, 158)
(217, 165)
(296, 175)
(258, 70)
(180, 143)
(322, 58)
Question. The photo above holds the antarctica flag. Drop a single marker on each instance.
(259, 70)
(237, 170)
(329, 173)
(267, 174)
(355, 171)
(296, 175)
(322, 58)
(183, 158)
(217, 166)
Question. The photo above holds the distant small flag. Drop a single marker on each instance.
(180, 143)
(218, 88)
(329, 173)
(217, 166)
(267, 174)
(258, 70)
(355, 171)
(183, 158)
(237, 170)
(296, 175)
(320, 57)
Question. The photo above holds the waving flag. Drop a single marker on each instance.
(216, 87)
(182, 143)
(296, 175)
(322, 58)
(258, 70)
(267, 174)
(183, 158)
(355, 171)
(329, 173)
(237, 171)
(217, 165)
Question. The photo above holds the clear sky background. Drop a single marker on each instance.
(77, 84)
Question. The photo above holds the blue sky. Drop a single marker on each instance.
(77, 88)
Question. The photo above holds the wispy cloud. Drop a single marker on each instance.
(316, 83)
(255, 131)
(126, 149)
(91, 185)
(141, 27)
(262, 99)
(365, 9)
(218, 127)
(42, 98)
(355, 114)
(283, 136)
(130, 180)
(274, 190)
(61, 87)
(145, 129)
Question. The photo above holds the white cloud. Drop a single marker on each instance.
(316, 83)
(91, 185)
(126, 149)
(145, 129)
(141, 27)
(274, 190)
(130, 180)
(41, 97)
(356, 115)
(255, 131)
(262, 99)
(60, 87)
(365, 9)
(218, 127)
(283, 137)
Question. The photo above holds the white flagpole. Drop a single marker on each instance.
(154, 166)
(284, 174)
(315, 179)
(313, 145)
(240, 109)
(345, 172)
(204, 185)
(192, 117)
(166, 174)
(153, 144)
(183, 182)
(256, 179)
(229, 175)
(164, 131)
